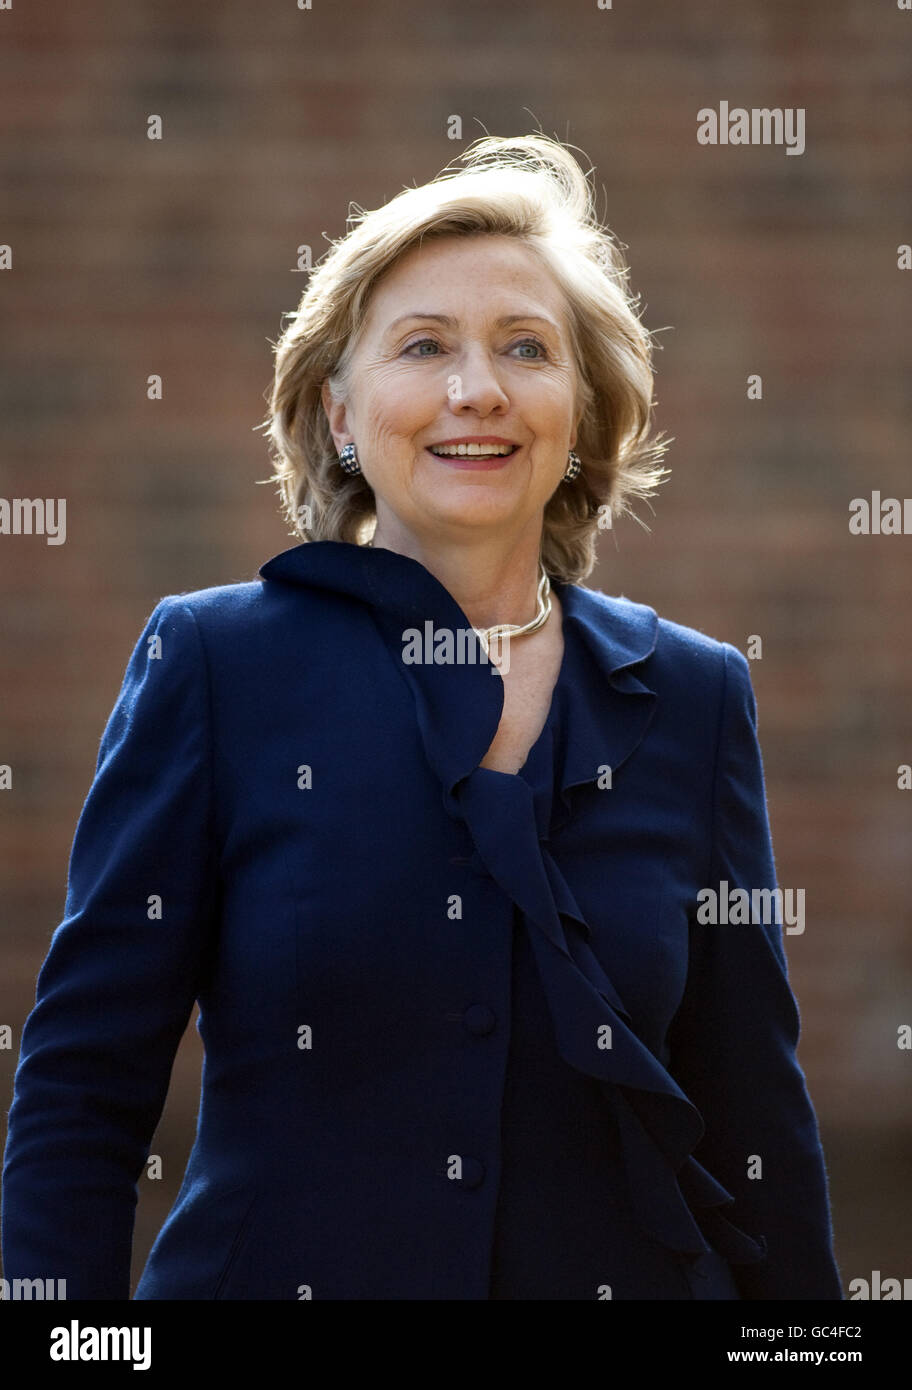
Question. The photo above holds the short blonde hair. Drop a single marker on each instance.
(529, 187)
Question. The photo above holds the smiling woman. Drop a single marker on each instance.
(417, 385)
(492, 279)
(467, 1035)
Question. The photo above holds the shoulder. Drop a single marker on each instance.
(220, 601)
(690, 649)
(227, 613)
(664, 650)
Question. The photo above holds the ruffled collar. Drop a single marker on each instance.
(611, 713)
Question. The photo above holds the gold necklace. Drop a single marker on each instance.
(507, 630)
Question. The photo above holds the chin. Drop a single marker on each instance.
(476, 506)
(474, 518)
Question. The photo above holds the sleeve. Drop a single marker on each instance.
(117, 987)
(733, 1040)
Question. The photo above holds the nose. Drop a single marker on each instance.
(475, 386)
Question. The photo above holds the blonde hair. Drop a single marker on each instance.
(529, 187)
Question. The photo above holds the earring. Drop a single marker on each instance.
(348, 459)
(573, 467)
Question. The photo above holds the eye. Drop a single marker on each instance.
(423, 342)
(533, 343)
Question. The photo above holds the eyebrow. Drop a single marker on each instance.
(502, 322)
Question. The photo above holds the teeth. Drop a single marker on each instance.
(470, 450)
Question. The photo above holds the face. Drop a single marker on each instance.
(466, 341)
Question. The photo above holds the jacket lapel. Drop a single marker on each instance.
(458, 705)
(613, 706)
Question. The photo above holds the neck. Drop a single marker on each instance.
(493, 581)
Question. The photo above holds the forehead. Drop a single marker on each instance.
(465, 275)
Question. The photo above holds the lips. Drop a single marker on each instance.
(476, 457)
(476, 451)
(475, 444)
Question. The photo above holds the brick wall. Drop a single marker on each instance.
(176, 257)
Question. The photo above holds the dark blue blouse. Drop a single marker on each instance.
(557, 1133)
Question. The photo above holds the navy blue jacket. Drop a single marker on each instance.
(289, 824)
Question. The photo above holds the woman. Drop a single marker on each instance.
(467, 1036)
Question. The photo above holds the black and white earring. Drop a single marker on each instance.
(348, 459)
(573, 467)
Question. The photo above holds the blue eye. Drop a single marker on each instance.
(540, 353)
(423, 342)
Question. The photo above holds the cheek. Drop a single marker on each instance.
(549, 411)
(390, 418)
(394, 409)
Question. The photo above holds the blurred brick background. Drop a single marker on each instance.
(133, 257)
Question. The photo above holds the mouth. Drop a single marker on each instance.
(482, 455)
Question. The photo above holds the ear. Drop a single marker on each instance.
(337, 417)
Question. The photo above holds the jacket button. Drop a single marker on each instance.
(479, 1019)
(473, 1173)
